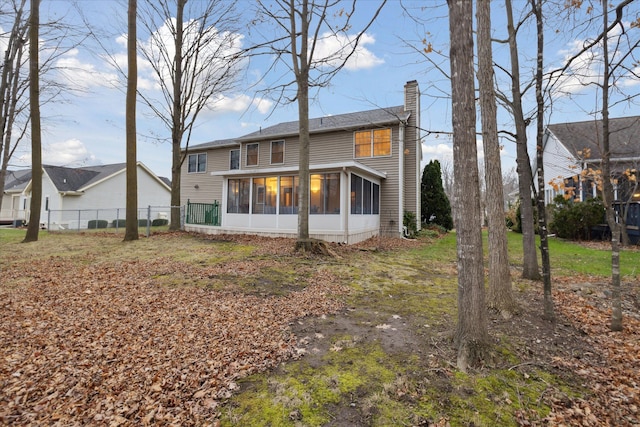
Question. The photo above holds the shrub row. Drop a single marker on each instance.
(121, 223)
(574, 220)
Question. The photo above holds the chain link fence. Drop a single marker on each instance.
(151, 217)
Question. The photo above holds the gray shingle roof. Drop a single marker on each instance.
(577, 136)
(17, 180)
(67, 179)
(377, 117)
(75, 179)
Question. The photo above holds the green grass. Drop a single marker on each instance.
(570, 258)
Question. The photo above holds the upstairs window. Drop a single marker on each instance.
(372, 143)
(277, 152)
(252, 154)
(197, 163)
(234, 159)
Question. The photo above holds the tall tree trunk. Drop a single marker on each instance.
(131, 225)
(36, 134)
(471, 334)
(500, 295)
(301, 69)
(525, 179)
(177, 123)
(542, 212)
(607, 193)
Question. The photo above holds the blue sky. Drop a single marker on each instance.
(90, 129)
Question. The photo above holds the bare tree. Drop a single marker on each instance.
(525, 177)
(302, 25)
(12, 85)
(607, 193)
(36, 135)
(57, 38)
(471, 334)
(195, 62)
(536, 6)
(500, 295)
(131, 223)
(446, 167)
(620, 62)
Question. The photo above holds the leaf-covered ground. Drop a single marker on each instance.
(85, 341)
(167, 331)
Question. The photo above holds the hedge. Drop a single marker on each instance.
(98, 223)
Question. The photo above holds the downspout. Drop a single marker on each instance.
(346, 210)
(401, 179)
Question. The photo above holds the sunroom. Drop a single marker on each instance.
(344, 202)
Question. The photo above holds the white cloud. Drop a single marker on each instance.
(71, 152)
(238, 104)
(440, 150)
(331, 49)
(83, 75)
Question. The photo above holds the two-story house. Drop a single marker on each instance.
(364, 175)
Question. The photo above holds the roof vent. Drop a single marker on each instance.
(64, 180)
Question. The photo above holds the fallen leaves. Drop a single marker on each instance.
(613, 377)
(90, 342)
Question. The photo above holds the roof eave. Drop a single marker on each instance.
(294, 169)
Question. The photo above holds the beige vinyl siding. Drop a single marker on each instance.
(327, 148)
(332, 147)
(291, 154)
(209, 187)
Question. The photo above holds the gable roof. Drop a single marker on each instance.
(624, 141)
(377, 117)
(16, 181)
(76, 179)
(68, 179)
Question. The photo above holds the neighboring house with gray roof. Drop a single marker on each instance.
(571, 149)
(364, 166)
(13, 204)
(81, 189)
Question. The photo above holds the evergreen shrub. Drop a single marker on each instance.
(574, 219)
(98, 223)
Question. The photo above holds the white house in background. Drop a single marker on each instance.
(67, 193)
(571, 148)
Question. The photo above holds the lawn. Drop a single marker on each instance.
(201, 330)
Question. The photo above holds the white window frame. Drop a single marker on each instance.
(257, 157)
(373, 156)
(239, 158)
(197, 156)
(283, 152)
